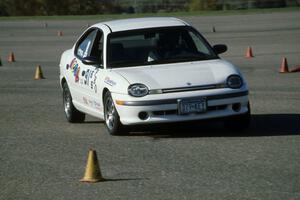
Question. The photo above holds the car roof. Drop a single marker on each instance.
(141, 23)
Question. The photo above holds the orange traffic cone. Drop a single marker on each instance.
(38, 73)
(296, 69)
(92, 171)
(59, 33)
(249, 53)
(11, 57)
(284, 66)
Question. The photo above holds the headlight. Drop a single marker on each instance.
(234, 81)
(138, 90)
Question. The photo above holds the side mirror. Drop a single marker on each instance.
(90, 60)
(220, 48)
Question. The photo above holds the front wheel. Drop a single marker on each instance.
(72, 114)
(111, 117)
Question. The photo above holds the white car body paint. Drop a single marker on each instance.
(89, 100)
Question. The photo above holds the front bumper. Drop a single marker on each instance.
(163, 108)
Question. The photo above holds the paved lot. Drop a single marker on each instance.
(43, 157)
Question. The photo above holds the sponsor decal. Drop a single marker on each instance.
(95, 88)
(75, 69)
(93, 80)
(110, 82)
(86, 77)
(93, 104)
(89, 78)
(96, 105)
(85, 101)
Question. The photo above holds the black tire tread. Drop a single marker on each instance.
(119, 128)
(75, 115)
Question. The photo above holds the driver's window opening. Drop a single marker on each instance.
(91, 46)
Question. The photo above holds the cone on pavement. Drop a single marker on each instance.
(296, 69)
(38, 73)
(11, 57)
(59, 33)
(92, 171)
(284, 66)
(249, 53)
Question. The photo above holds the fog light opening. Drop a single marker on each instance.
(143, 115)
(236, 107)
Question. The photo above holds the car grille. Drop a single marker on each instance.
(193, 88)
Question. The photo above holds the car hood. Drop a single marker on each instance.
(176, 75)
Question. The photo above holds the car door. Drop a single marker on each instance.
(85, 78)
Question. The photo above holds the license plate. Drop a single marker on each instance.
(191, 106)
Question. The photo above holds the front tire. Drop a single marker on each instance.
(111, 117)
(72, 114)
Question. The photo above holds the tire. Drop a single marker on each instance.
(111, 117)
(239, 122)
(72, 114)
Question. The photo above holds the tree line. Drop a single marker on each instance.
(57, 7)
(92, 7)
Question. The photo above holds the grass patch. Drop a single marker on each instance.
(172, 14)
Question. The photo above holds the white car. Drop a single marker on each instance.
(150, 70)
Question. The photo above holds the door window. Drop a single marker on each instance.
(85, 46)
(91, 45)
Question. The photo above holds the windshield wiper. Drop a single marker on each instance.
(185, 59)
(116, 64)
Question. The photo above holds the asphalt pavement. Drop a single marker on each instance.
(42, 156)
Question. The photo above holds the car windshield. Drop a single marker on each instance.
(157, 46)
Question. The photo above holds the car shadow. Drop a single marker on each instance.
(123, 179)
(94, 122)
(261, 125)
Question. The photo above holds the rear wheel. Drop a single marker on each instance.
(239, 122)
(72, 114)
(111, 117)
